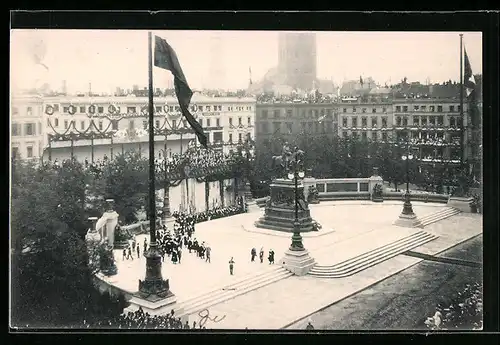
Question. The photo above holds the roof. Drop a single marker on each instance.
(133, 100)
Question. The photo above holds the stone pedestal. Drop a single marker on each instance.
(408, 221)
(463, 204)
(279, 212)
(298, 262)
(372, 182)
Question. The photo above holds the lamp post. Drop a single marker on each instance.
(296, 171)
(407, 208)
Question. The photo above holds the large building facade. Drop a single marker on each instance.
(433, 125)
(94, 127)
(26, 130)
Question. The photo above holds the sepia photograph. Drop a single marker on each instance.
(200, 180)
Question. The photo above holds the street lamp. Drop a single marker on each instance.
(407, 208)
(296, 171)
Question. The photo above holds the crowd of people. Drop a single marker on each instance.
(313, 97)
(143, 320)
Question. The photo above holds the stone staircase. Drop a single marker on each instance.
(444, 213)
(222, 294)
(373, 257)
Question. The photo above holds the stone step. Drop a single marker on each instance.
(443, 210)
(438, 216)
(235, 290)
(369, 259)
(218, 287)
(375, 251)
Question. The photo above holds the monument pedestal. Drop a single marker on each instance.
(298, 262)
(408, 221)
(463, 204)
(279, 213)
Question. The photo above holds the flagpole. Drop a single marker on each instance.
(152, 201)
(462, 153)
(153, 287)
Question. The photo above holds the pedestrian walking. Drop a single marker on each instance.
(261, 255)
(253, 253)
(179, 254)
(208, 254)
(271, 257)
(124, 254)
(138, 252)
(129, 253)
(231, 266)
(145, 245)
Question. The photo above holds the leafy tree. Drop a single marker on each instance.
(51, 281)
(124, 179)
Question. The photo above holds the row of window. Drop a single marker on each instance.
(304, 113)
(364, 135)
(114, 123)
(29, 129)
(16, 154)
(158, 108)
(318, 127)
(433, 120)
(364, 121)
(431, 108)
(363, 110)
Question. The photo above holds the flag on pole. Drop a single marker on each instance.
(166, 58)
(469, 81)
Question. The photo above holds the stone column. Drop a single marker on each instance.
(221, 193)
(166, 201)
(207, 195)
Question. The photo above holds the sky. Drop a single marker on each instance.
(118, 58)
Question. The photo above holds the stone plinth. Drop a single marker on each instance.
(279, 212)
(298, 262)
(408, 221)
(372, 182)
(463, 204)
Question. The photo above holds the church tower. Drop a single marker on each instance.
(297, 59)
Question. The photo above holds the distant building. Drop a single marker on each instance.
(296, 68)
(38, 121)
(26, 131)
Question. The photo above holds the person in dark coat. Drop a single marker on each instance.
(179, 254)
(253, 253)
(271, 257)
(129, 253)
(124, 253)
(186, 325)
(174, 256)
(261, 255)
(231, 266)
(145, 245)
(190, 245)
(138, 252)
(309, 326)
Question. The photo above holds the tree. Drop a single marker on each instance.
(51, 281)
(124, 179)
